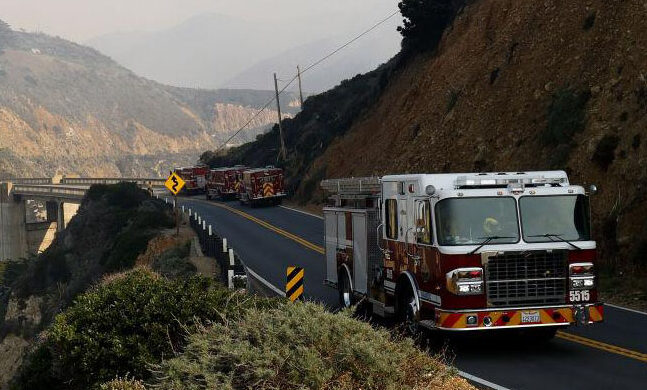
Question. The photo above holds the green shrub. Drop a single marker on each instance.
(425, 21)
(124, 324)
(299, 346)
(566, 117)
(174, 264)
(123, 384)
(605, 151)
(122, 195)
(589, 22)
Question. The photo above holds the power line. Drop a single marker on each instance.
(316, 63)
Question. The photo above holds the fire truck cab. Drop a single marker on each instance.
(262, 186)
(464, 252)
(225, 183)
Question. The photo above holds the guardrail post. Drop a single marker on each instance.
(230, 270)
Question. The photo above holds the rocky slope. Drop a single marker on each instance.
(521, 85)
(513, 85)
(65, 108)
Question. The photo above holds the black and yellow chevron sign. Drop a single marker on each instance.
(268, 189)
(294, 285)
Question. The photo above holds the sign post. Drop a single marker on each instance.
(175, 184)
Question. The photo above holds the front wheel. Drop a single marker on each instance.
(408, 312)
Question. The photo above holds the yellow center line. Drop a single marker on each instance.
(560, 334)
(603, 346)
(273, 228)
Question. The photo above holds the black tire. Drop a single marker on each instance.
(345, 289)
(407, 311)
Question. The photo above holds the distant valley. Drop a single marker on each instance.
(66, 108)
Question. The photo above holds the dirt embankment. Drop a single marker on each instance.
(523, 85)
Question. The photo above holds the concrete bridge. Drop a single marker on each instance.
(22, 235)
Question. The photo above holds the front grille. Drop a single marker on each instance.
(526, 278)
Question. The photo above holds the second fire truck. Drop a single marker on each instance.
(465, 252)
(225, 183)
(263, 186)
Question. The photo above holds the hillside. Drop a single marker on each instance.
(67, 108)
(515, 85)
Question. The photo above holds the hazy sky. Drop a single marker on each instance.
(80, 20)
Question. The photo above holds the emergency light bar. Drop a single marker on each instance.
(505, 180)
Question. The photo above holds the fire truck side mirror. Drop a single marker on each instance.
(593, 189)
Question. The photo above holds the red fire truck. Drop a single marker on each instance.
(225, 183)
(262, 186)
(194, 177)
(465, 252)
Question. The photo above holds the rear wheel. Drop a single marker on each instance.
(345, 289)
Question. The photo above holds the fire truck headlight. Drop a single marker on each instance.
(583, 283)
(465, 281)
(581, 276)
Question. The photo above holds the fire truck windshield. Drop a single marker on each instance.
(553, 218)
(469, 221)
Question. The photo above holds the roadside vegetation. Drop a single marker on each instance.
(111, 229)
(140, 330)
(124, 309)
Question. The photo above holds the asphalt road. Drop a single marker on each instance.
(605, 356)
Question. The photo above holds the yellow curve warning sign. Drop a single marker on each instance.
(174, 183)
(294, 285)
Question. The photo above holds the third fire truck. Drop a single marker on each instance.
(195, 179)
(263, 186)
(225, 183)
(465, 252)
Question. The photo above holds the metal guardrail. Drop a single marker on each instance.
(156, 182)
(50, 191)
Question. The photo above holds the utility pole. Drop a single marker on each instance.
(300, 90)
(278, 109)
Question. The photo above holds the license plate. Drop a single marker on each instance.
(530, 317)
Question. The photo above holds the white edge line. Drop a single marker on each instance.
(625, 308)
(265, 282)
(302, 212)
(481, 381)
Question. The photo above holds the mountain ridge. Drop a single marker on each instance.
(67, 108)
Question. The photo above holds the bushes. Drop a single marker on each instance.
(215, 338)
(123, 325)
(173, 263)
(299, 346)
(566, 117)
(605, 151)
(123, 384)
(425, 22)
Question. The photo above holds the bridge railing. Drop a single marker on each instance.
(32, 180)
(157, 182)
(52, 191)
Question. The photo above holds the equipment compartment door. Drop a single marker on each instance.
(330, 221)
(360, 260)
